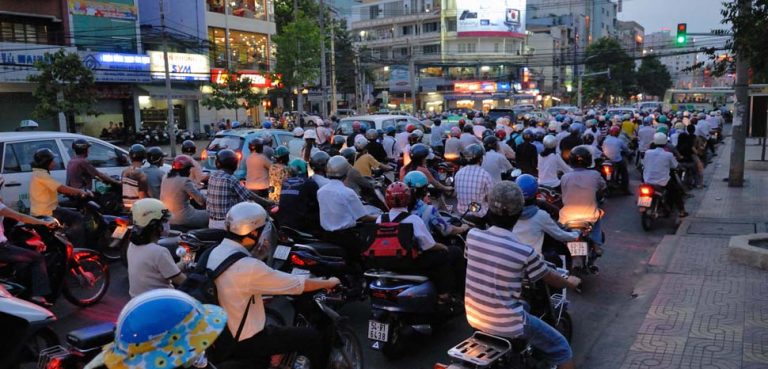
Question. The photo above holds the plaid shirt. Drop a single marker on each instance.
(473, 184)
(224, 192)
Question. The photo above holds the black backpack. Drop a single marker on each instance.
(391, 244)
(199, 284)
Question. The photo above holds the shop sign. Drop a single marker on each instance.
(17, 60)
(258, 80)
(399, 78)
(474, 87)
(503, 86)
(114, 67)
(185, 67)
(105, 9)
(107, 92)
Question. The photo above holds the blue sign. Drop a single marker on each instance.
(503, 86)
(115, 67)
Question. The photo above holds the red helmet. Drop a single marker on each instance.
(614, 131)
(410, 128)
(462, 121)
(182, 162)
(501, 134)
(356, 126)
(455, 132)
(398, 195)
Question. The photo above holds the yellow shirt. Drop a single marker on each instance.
(43, 196)
(628, 128)
(365, 165)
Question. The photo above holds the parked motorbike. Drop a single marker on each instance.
(26, 328)
(486, 351)
(652, 204)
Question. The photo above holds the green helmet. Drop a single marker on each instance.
(663, 129)
(298, 167)
(281, 151)
(663, 119)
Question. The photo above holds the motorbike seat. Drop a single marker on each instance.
(578, 224)
(324, 248)
(93, 337)
(299, 235)
(208, 234)
(392, 275)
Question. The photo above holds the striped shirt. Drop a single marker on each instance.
(496, 264)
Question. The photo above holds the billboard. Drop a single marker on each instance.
(186, 67)
(491, 18)
(399, 78)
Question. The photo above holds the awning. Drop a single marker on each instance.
(178, 93)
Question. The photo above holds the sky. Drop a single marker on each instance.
(701, 15)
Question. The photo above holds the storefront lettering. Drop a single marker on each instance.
(22, 59)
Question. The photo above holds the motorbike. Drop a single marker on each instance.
(82, 345)
(486, 351)
(550, 195)
(26, 326)
(103, 232)
(652, 204)
(193, 243)
(81, 275)
(446, 172)
(611, 177)
(583, 252)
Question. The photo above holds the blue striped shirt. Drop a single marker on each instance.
(497, 262)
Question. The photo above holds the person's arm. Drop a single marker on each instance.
(246, 195)
(551, 228)
(15, 215)
(167, 268)
(193, 193)
(314, 284)
(71, 191)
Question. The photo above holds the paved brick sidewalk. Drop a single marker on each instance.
(709, 312)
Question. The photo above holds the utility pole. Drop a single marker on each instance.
(323, 71)
(334, 103)
(358, 84)
(741, 118)
(169, 101)
(299, 88)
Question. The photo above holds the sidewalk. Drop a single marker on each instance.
(705, 311)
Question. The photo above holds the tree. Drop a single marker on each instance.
(345, 59)
(653, 78)
(284, 12)
(64, 85)
(601, 55)
(232, 93)
(298, 52)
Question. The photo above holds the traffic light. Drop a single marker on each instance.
(682, 33)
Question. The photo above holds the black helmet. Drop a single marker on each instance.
(318, 161)
(338, 140)
(137, 152)
(256, 145)
(80, 146)
(419, 152)
(43, 158)
(226, 160)
(349, 154)
(487, 133)
(581, 157)
(188, 147)
(490, 143)
(473, 154)
(155, 156)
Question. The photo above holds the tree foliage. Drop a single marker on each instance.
(345, 59)
(653, 78)
(603, 54)
(64, 85)
(284, 13)
(233, 93)
(298, 51)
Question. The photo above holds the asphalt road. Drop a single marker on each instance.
(627, 249)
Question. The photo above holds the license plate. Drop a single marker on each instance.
(119, 232)
(577, 248)
(378, 331)
(608, 176)
(644, 201)
(282, 252)
(298, 271)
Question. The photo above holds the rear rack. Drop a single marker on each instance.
(52, 353)
(481, 349)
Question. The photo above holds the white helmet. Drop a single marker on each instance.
(298, 132)
(712, 113)
(659, 139)
(519, 127)
(360, 142)
(554, 126)
(245, 218)
(310, 135)
(550, 142)
(146, 210)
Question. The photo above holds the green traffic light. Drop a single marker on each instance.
(680, 39)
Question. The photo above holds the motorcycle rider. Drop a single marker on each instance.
(419, 155)
(323, 134)
(437, 135)
(550, 164)
(468, 136)
(150, 266)
(297, 143)
(453, 145)
(176, 191)
(658, 164)
(188, 147)
(614, 148)
(154, 172)
(305, 214)
(580, 188)
(278, 171)
(337, 144)
(133, 178)
(504, 148)
(645, 134)
(80, 171)
(572, 140)
(354, 179)
(374, 147)
(257, 168)
(535, 222)
(290, 196)
(472, 182)
(527, 155)
(494, 162)
(310, 137)
(225, 190)
(389, 144)
(493, 304)
(268, 151)
(418, 183)
(365, 163)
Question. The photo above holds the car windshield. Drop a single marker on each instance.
(226, 142)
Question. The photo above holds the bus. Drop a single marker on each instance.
(699, 99)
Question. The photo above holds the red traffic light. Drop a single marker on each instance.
(682, 27)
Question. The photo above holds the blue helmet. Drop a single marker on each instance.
(415, 179)
(647, 120)
(389, 130)
(529, 185)
(267, 125)
(559, 118)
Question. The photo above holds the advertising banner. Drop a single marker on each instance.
(17, 60)
(185, 67)
(475, 87)
(491, 18)
(104, 9)
(399, 78)
(114, 67)
(258, 80)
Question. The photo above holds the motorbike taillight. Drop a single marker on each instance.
(204, 155)
(607, 169)
(646, 191)
(301, 260)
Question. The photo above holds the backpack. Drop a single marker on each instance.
(391, 244)
(200, 282)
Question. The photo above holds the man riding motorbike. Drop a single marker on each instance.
(365, 163)
(418, 183)
(527, 155)
(257, 168)
(225, 190)
(176, 191)
(550, 164)
(80, 171)
(198, 177)
(473, 182)
(580, 189)
(494, 162)
(658, 164)
(304, 215)
(154, 172)
(614, 148)
(535, 222)
(133, 178)
(374, 147)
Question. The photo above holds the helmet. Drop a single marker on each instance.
(298, 132)
(337, 167)
(614, 131)
(138, 152)
(574, 128)
(518, 127)
(244, 218)
(686, 113)
(486, 133)
(469, 128)
(473, 153)
(505, 199)
(419, 134)
(663, 129)
(581, 157)
(416, 179)
(419, 152)
(281, 152)
(588, 137)
(43, 158)
(410, 128)
(371, 134)
(256, 145)
(455, 132)
(226, 160)
(80, 146)
(663, 119)
(462, 121)
(528, 134)
(389, 130)
(550, 142)
(647, 121)
(659, 139)
(398, 195)
(559, 118)
(356, 126)
(490, 143)
(188, 147)
(501, 134)
(679, 126)
(298, 167)
(553, 126)
(182, 162)
(318, 161)
(310, 134)
(155, 156)
(163, 328)
(338, 140)
(266, 125)
(349, 153)
(360, 143)
(702, 116)
(591, 122)
(146, 210)
(625, 117)
(529, 185)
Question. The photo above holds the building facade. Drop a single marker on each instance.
(663, 42)
(631, 36)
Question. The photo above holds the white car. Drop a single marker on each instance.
(622, 111)
(18, 148)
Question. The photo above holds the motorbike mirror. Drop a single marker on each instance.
(475, 207)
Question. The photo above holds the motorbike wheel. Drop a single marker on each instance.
(88, 273)
(41, 340)
(347, 352)
(646, 221)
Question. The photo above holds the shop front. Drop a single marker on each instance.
(187, 73)
(261, 83)
(478, 95)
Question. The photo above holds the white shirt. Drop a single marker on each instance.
(150, 267)
(390, 147)
(453, 148)
(478, 130)
(420, 230)
(549, 166)
(656, 166)
(645, 137)
(245, 278)
(496, 164)
(340, 208)
(509, 153)
(436, 137)
(702, 129)
(531, 231)
(469, 139)
(402, 140)
(323, 134)
(320, 180)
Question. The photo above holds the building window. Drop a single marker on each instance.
(495, 47)
(467, 48)
(407, 30)
(374, 12)
(403, 51)
(254, 9)
(431, 27)
(509, 47)
(26, 33)
(248, 50)
(450, 24)
(430, 49)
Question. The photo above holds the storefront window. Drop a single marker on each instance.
(254, 9)
(461, 73)
(248, 50)
(431, 72)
